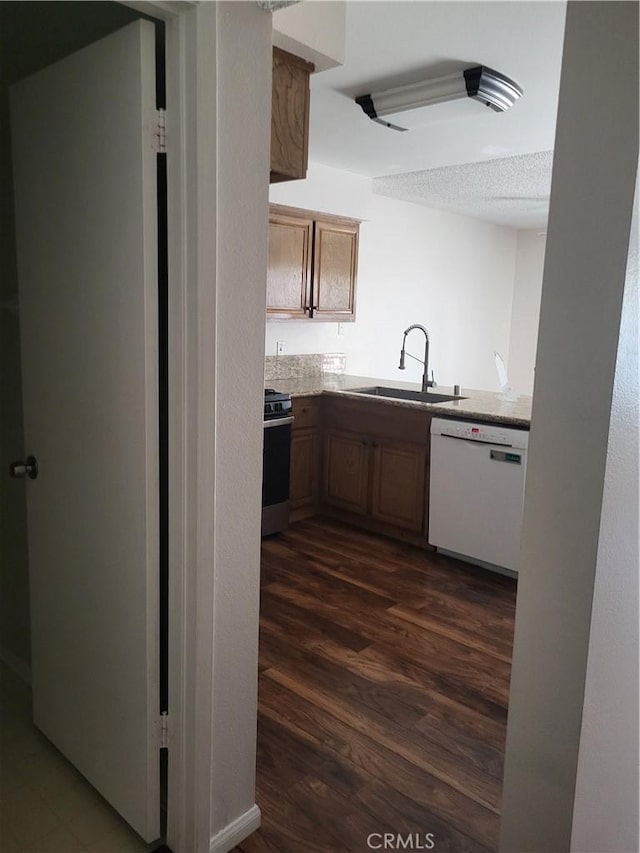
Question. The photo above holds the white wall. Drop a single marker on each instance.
(527, 290)
(606, 805)
(584, 277)
(243, 53)
(315, 31)
(452, 274)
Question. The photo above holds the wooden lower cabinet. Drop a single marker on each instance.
(383, 480)
(346, 471)
(375, 472)
(304, 484)
(364, 463)
(398, 484)
(306, 458)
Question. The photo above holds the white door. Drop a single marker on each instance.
(83, 136)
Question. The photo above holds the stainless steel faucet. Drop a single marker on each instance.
(426, 382)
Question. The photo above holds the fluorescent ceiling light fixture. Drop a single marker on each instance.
(479, 82)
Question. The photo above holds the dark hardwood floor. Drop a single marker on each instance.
(384, 679)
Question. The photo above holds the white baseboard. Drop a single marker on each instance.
(236, 831)
(19, 666)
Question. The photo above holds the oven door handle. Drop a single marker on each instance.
(279, 422)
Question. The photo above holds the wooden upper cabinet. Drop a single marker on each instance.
(289, 266)
(335, 267)
(289, 116)
(312, 266)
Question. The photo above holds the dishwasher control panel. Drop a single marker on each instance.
(487, 433)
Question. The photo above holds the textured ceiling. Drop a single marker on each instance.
(510, 191)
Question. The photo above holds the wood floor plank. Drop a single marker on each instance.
(466, 621)
(284, 745)
(287, 826)
(313, 631)
(443, 655)
(462, 779)
(440, 703)
(302, 623)
(483, 621)
(404, 702)
(352, 550)
(376, 763)
(384, 678)
(443, 682)
(339, 591)
(264, 841)
(396, 703)
(456, 631)
(393, 554)
(318, 801)
(402, 816)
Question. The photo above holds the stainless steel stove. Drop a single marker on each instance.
(276, 404)
(276, 461)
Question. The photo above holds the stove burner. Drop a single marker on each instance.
(276, 405)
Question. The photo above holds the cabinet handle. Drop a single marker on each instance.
(374, 444)
(364, 441)
(304, 409)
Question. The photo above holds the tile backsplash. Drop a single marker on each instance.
(315, 364)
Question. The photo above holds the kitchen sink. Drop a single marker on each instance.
(402, 394)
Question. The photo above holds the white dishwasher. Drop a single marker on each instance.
(476, 491)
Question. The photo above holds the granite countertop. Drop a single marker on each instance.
(490, 406)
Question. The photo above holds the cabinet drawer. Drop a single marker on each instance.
(306, 411)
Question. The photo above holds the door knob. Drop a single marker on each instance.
(20, 469)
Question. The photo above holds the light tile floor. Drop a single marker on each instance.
(46, 806)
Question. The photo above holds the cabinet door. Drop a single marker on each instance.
(289, 266)
(346, 471)
(304, 486)
(289, 116)
(335, 261)
(398, 484)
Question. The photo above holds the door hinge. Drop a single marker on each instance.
(161, 132)
(164, 730)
